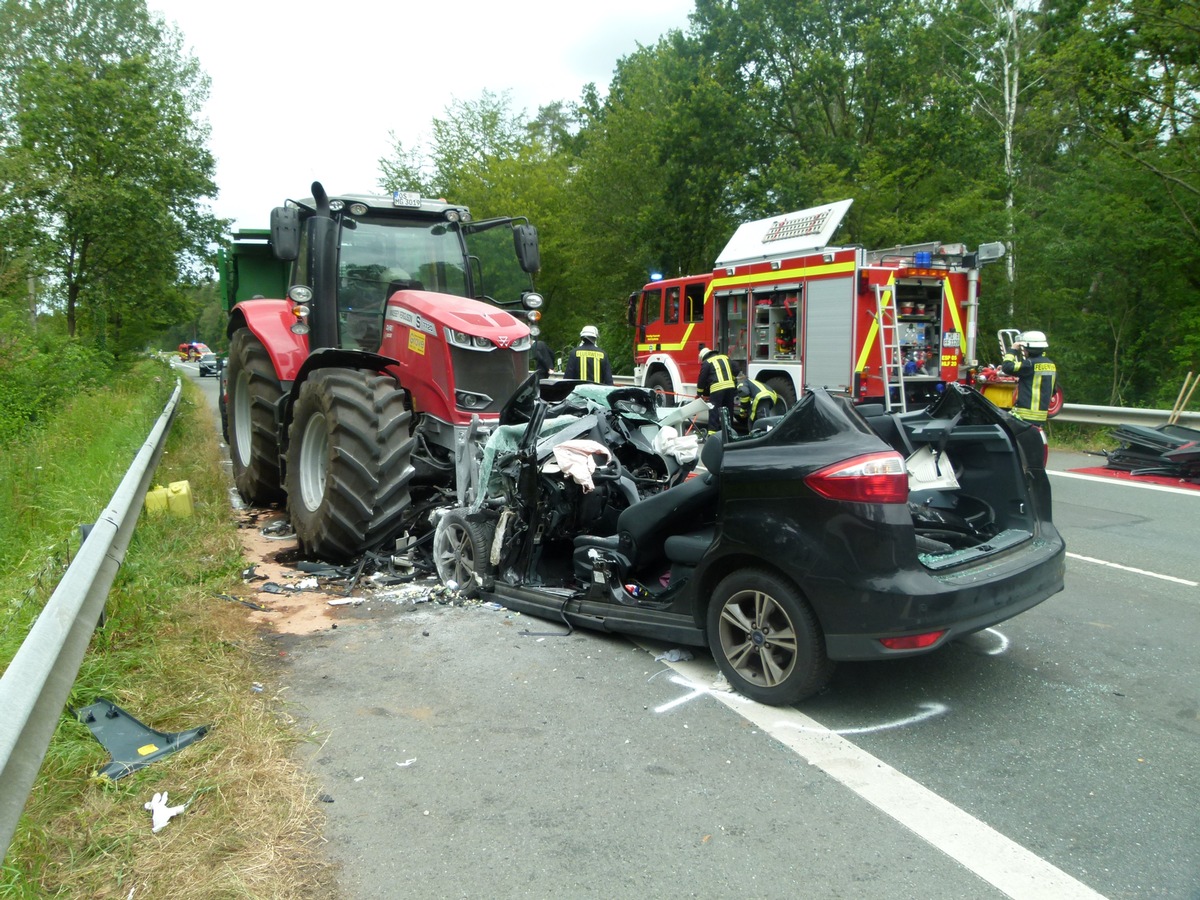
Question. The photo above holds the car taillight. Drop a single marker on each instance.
(874, 478)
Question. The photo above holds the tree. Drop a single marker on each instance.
(105, 149)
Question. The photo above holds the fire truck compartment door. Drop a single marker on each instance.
(829, 333)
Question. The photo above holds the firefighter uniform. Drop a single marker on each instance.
(755, 399)
(716, 383)
(1036, 375)
(587, 362)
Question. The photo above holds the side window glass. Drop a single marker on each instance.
(651, 306)
(694, 301)
(671, 315)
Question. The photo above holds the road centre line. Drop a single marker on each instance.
(990, 855)
(1113, 565)
(1187, 492)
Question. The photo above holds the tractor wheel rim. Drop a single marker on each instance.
(314, 462)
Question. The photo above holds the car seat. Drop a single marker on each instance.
(644, 527)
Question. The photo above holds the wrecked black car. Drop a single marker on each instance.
(836, 533)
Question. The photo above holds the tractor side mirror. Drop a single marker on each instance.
(285, 232)
(525, 240)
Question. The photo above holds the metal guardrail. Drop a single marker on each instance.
(36, 684)
(1119, 415)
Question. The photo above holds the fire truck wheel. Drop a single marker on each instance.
(253, 393)
(1056, 403)
(336, 455)
(783, 388)
(462, 550)
(766, 639)
(660, 383)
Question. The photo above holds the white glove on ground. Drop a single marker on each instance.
(161, 814)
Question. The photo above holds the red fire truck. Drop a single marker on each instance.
(890, 326)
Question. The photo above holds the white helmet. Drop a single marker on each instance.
(589, 333)
(1035, 340)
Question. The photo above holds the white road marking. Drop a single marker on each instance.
(1100, 479)
(987, 853)
(1113, 565)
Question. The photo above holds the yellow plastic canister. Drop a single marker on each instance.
(176, 499)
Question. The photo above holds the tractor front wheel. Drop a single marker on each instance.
(349, 462)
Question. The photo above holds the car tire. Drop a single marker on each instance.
(783, 388)
(664, 391)
(254, 392)
(766, 639)
(348, 454)
(461, 552)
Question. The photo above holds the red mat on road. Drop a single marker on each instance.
(1121, 475)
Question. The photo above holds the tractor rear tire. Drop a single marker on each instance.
(254, 392)
(349, 462)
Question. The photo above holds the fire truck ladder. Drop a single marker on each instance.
(891, 361)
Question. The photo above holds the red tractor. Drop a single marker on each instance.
(373, 342)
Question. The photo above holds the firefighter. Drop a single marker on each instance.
(716, 383)
(587, 362)
(755, 401)
(1036, 375)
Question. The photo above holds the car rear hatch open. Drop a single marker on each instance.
(975, 477)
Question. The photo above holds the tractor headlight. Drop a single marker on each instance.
(468, 341)
(471, 400)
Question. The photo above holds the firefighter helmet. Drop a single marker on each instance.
(704, 352)
(589, 333)
(1035, 340)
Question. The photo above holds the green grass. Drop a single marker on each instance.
(170, 653)
(1079, 437)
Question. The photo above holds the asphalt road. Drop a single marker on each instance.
(1053, 756)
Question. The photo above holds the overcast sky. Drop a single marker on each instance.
(303, 91)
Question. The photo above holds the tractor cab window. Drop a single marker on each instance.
(379, 256)
(497, 274)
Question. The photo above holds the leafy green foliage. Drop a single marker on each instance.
(39, 373)
(105, 164)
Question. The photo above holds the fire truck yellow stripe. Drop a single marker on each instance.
(953, 303)
(760, 277)
(651, 348)
(874, 329)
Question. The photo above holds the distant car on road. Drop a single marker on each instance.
(209, 365)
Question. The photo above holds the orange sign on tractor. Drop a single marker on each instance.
(890, 326)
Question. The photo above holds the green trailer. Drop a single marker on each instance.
(248, 269)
